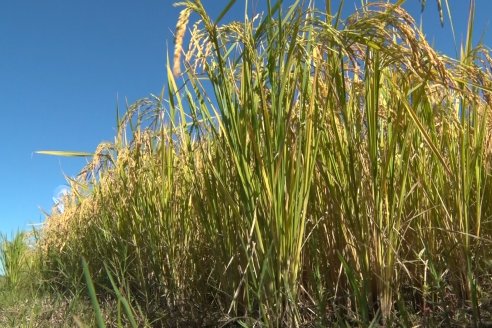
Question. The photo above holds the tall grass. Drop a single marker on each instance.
(14, 259)
(302, 169)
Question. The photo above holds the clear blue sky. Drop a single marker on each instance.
(64, 65)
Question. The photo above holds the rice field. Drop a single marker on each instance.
(299, 170)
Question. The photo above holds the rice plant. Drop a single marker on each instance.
(299, 169)
(14, 259)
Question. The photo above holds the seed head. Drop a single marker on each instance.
(183, 19)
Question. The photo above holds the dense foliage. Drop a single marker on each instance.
(301, 170)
